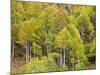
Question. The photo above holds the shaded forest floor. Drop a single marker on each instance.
(91, 66)
(17, 63)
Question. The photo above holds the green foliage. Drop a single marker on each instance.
(36, 49)
(72, 43)
(80, 66)
(63, 39)
(93, 48)
(54, 55)
(48, 31)
(90, 48)
(40, 65)
(85, 27)
(15, 30)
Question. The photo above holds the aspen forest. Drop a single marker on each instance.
(52, 37)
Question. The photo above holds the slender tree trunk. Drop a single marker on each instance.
(61, 58)
(13, 47)
(69, 9)
(73, 64)
(64, 57)
(30, 54)
(27, 53)
(47, 49)
(82, 33)
(47, 46)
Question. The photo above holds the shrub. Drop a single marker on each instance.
(43, 64)
(80, 66)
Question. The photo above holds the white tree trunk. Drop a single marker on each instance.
(61, 58)
(27, 53)
(64, 57)
(30, 53)
(29, 46)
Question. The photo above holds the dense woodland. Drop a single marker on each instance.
(47, 37)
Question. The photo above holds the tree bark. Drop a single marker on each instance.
(47, 45)
(13, 47)
(47, 50)
(30, 54)
(61, 58)
(82, 33)
(73, 64)
(64, 57)
(27, 53)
